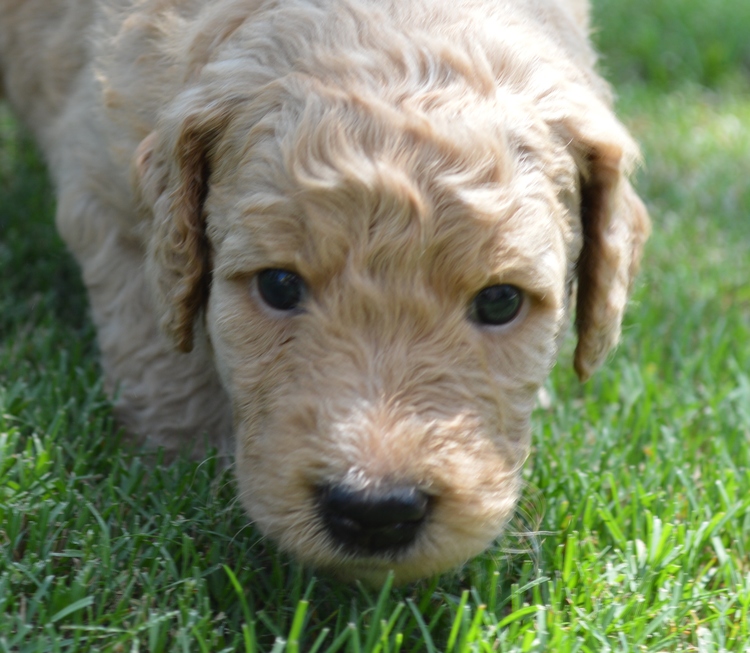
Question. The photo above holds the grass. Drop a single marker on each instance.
(641, 478)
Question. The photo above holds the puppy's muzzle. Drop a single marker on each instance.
(373, 521)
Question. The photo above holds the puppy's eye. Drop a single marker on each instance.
(281, 289)
(496, 305)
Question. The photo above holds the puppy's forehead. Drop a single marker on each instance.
(395, 196)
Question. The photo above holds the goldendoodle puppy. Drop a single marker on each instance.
(344, 233)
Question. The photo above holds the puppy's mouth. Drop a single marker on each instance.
(381, 522)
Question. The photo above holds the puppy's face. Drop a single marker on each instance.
(387, 297)
(386, 270)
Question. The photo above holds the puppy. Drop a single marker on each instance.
(345, 235)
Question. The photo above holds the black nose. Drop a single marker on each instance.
(373, 520)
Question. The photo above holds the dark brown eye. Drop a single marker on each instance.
(496, 305)
(281, 289)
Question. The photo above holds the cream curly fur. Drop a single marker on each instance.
(400, 156)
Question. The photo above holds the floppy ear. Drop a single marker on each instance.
(615, 227)
(172, 168)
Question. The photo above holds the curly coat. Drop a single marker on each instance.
(399, 156)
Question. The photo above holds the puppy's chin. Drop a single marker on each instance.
(422, 560)
(439, 548)
(411, 567)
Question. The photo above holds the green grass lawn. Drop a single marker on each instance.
(638, 486)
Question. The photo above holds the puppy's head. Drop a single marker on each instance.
(385, 270)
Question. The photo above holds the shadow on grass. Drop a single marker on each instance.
(37, 275)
